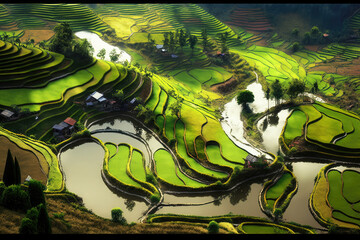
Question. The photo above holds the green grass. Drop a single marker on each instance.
(165, 167)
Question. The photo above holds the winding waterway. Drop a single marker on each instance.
(98, 44)
(101, 197)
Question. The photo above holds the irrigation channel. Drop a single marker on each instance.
(81, 163)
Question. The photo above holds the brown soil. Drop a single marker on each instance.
(29, 164)
(76, 221)
(339, 67)
(37, 35)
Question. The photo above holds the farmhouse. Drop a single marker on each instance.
(95, 98)
(7, 114)
(65, 128)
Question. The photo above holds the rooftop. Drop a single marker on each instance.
(7, 113)
(70, 121)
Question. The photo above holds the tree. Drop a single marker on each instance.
(9, 171)
(315, 88)
(17, 176)
(175, 108)
(295, 32)
(119, 95)
(36, 193)
(296, 87)
(27, 226)
(213, 227)
(15, 198)
(42, 44)
(101, 54)
(307, 38)
(62, 40)
(117, 216)
(295, 47)
(277, 91)
(192, 40)
(43, 224)
(83, 50)
(267, 95)
(114, 57)
(182, 39)
(244, 97)
(205, 40)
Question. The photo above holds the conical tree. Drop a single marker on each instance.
(43, 224)
(9, 171)
(17, 172)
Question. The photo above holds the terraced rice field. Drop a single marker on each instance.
(250, 18)
(276, 191)
(35, 16)
(325, 126)
(341, 194)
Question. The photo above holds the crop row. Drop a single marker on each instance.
(331, 129)
(335, 198)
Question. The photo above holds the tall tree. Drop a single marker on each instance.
(192, 40)
(277, 91)
(9, 171)
(43, 224)
(17, 172)
(267, 95)
(205, 40)
(296, 87)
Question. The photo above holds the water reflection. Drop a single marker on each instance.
(87, 182)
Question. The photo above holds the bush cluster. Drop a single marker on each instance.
(30, 200)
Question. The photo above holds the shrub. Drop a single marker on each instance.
(116, 216)
(213, 227)
(36, 193)
(154, 198)
(15, 198)
(27, 226)
(2, 189)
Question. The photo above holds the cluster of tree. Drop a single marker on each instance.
(315, 36)
(114, 56)
(16, 40)
(63, 42)
(12, 173)
(172, 41)
(276, 91)
(29, 199)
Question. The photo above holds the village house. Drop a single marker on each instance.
(8, 115)
(64, 129)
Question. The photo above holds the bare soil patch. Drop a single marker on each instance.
(348, 68)
(37, 35)
(29, 164)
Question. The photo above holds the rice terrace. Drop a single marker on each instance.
(156, 118)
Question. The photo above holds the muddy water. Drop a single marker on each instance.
(87, 182)
(298, 209)
(242, 200)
